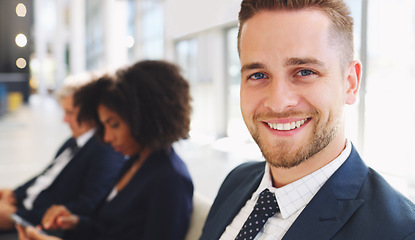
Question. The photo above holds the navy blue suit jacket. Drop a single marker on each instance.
(355, 203)
(80, 186)
(156, 204)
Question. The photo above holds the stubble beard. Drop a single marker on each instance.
(281, 153)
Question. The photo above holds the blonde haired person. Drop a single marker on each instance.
(78, 177)
(297, 75)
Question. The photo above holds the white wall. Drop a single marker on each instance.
(188, 17)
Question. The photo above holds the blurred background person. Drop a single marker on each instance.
(81, 174)
(140, 113)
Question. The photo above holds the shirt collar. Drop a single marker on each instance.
(303, 189)
(81, 140)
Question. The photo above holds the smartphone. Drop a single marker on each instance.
(23, 222)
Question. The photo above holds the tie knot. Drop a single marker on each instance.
(72, 144)
(266, 204)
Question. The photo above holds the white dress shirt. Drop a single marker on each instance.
(43, 181)
(291, 198)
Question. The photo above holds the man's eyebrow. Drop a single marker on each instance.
(303, 61)
(289, 62)
(250, 66)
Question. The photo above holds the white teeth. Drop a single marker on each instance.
(287, 126)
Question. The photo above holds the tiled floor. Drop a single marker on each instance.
(30, 137)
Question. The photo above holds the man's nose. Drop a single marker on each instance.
(281, 95)
(65, 118)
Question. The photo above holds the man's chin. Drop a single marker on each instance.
(286, 164)
(283, 154)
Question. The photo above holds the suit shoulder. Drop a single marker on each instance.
(245, 169)
(242, 174)
(378, 190)
(385, 212)
(97, 151)
(386, 205)
(96, 145)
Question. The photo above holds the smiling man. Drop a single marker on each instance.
(297, 75)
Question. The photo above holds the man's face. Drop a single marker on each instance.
(70, 117)
(293, 89)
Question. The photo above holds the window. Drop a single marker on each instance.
(390, 112)
(190, 56)
(236, 127)
(94, 34)
(149, 29)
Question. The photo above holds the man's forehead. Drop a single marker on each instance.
(269, 29)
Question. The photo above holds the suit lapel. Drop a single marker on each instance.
(63, 147)
(233, 204)
(334, 204)
(322, 221)
(76, 158)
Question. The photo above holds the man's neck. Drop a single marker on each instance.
(283, 176)
(84, 137)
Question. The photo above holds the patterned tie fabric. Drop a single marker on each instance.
(265, 207)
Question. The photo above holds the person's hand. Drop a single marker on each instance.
(59, 217)
(7, 195)
(6, 209)
(31, 233)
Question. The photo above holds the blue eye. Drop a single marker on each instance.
(305, 72)
(257, 76)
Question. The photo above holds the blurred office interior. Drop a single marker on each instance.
(43, 41)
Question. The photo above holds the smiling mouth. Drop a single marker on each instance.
(287, 126)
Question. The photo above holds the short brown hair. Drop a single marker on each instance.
(152, 98)
(336, 10)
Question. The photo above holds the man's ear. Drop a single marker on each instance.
(353, 76)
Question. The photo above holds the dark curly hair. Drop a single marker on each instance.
(152, 98)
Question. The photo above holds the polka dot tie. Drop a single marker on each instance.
(265, 207)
